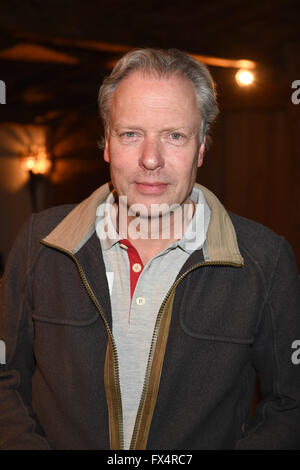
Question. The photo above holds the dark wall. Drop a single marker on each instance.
(254, 162)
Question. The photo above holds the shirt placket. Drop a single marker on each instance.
(136, 267)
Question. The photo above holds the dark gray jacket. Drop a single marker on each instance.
(231, 314)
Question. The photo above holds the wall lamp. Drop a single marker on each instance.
(38, 164)
(37, 161)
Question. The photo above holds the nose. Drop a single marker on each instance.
(151, 157)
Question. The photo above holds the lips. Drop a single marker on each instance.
(151, 188)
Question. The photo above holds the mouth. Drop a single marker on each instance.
(144, 187)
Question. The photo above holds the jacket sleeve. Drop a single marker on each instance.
(276, 423)
(19, 430)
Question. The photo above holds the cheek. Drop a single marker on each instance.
(184, 164)
(122, 171)
(122, 158)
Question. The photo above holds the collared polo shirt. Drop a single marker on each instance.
(137, 292)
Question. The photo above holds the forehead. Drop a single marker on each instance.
(145, 93)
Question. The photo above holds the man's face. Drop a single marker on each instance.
(153, 144)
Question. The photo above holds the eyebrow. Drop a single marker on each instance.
(167, 129)
(172, 129)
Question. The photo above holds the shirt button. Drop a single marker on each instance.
(140, 300)
(137, 267)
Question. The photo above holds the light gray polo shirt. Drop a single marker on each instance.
(133, 320)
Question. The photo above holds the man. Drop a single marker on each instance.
(139, 318)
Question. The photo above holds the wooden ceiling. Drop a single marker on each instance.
(54, 54)
(230, 28)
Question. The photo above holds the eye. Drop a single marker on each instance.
(129, 134)
(176, 136)
(128, 137)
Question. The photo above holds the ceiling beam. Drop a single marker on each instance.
(122, 48)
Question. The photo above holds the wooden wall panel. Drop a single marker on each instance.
(253, 167)
(257, 167)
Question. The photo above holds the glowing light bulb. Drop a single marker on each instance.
(38, 163)
(244, 77)
(29, 163)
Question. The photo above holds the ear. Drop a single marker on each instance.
(106, 149)
(201, 153)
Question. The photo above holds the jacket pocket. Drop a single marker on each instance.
(215, 334)
(219, 305)
(56, 320)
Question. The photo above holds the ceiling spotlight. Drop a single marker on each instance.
(244, 77)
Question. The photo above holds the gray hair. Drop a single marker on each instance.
(164, 63)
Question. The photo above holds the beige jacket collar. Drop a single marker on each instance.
(77, 227)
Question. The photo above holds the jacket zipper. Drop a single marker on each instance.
(109, 333)
(154, 339)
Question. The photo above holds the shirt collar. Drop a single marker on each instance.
(195, 233)
(105, 223)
